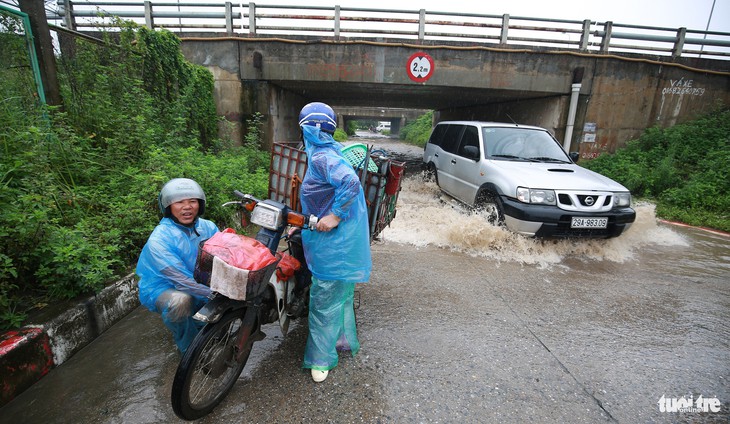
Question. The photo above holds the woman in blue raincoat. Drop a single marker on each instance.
(338, 253)
(166, 264)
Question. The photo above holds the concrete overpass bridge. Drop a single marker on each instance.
(598, 102)
(577, 78)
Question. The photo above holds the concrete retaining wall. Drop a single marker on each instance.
(27, 354)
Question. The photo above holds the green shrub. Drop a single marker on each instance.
(351, 128)
(685, 169)
(340, 135)
(79, 185)
(418, 131)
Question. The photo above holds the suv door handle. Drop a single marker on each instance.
(436, 154)
(453, 161)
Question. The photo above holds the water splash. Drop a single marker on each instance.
(427, 217)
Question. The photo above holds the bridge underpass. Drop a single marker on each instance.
(276, 79)
(405, 103)
(397, 117)
(616, 100)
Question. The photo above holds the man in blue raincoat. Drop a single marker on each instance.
(338, 253)
(166, 264)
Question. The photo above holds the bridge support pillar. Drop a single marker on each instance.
(278, 107)
(396, 125)
(341, 122)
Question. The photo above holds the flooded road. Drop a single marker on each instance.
(461, 322)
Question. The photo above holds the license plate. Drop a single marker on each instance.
(577, 222)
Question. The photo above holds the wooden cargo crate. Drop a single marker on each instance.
(381, 182)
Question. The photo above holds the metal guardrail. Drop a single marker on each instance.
(419, 26)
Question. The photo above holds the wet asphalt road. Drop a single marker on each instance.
(449, 337)
(455, 336)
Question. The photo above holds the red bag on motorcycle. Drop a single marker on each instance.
(287, 266)
(233, 264)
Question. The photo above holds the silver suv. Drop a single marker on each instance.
(522, 177)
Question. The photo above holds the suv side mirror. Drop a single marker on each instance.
(471, 152)
(574, 156)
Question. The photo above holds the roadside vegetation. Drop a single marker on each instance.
(340, 135)
(684, 170)
(417, 132)
(79, 183)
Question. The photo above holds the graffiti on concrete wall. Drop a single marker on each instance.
(682, 87)
(674, 94)
(589, 149)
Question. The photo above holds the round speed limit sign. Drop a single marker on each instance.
(420, 67)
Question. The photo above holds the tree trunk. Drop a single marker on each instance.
(44, 49)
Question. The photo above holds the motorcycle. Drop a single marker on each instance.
(242, 300)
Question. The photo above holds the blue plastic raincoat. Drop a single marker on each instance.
(339, 258)
(332, 186)
(165, 265)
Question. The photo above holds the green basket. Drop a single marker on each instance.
(355, 154)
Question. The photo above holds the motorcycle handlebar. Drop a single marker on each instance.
(300, 220)
(248, 202)
(241, 195)
(292, 218)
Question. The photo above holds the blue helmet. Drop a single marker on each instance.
(318, 115)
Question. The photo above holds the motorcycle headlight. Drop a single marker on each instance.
(267, 216)
(623, 199)
(536, 196)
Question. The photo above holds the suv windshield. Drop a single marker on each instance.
(522, 144)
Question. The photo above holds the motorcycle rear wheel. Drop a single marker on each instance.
(208, 369)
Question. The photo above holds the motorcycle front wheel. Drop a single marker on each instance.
(209, 367)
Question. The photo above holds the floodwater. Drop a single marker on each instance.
(461, 322)
(427, 217)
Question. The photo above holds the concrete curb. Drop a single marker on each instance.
(709, 230)
(27, 354)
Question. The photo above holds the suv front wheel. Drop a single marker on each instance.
(429, 174)
(489, 203)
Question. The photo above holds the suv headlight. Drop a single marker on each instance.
(536, 195)
(623, 199)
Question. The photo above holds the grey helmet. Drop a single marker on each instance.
(179, 189)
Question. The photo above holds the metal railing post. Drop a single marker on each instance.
(421, 24)
(585, 35)
(606, 41)
(337, 23)
(679, 44)
(252, 19)
(505, 28)
(68, 15)
(229, 18)
(149, 23)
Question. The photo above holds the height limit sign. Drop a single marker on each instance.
(420, 67)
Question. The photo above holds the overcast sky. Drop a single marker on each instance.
(691, 14)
